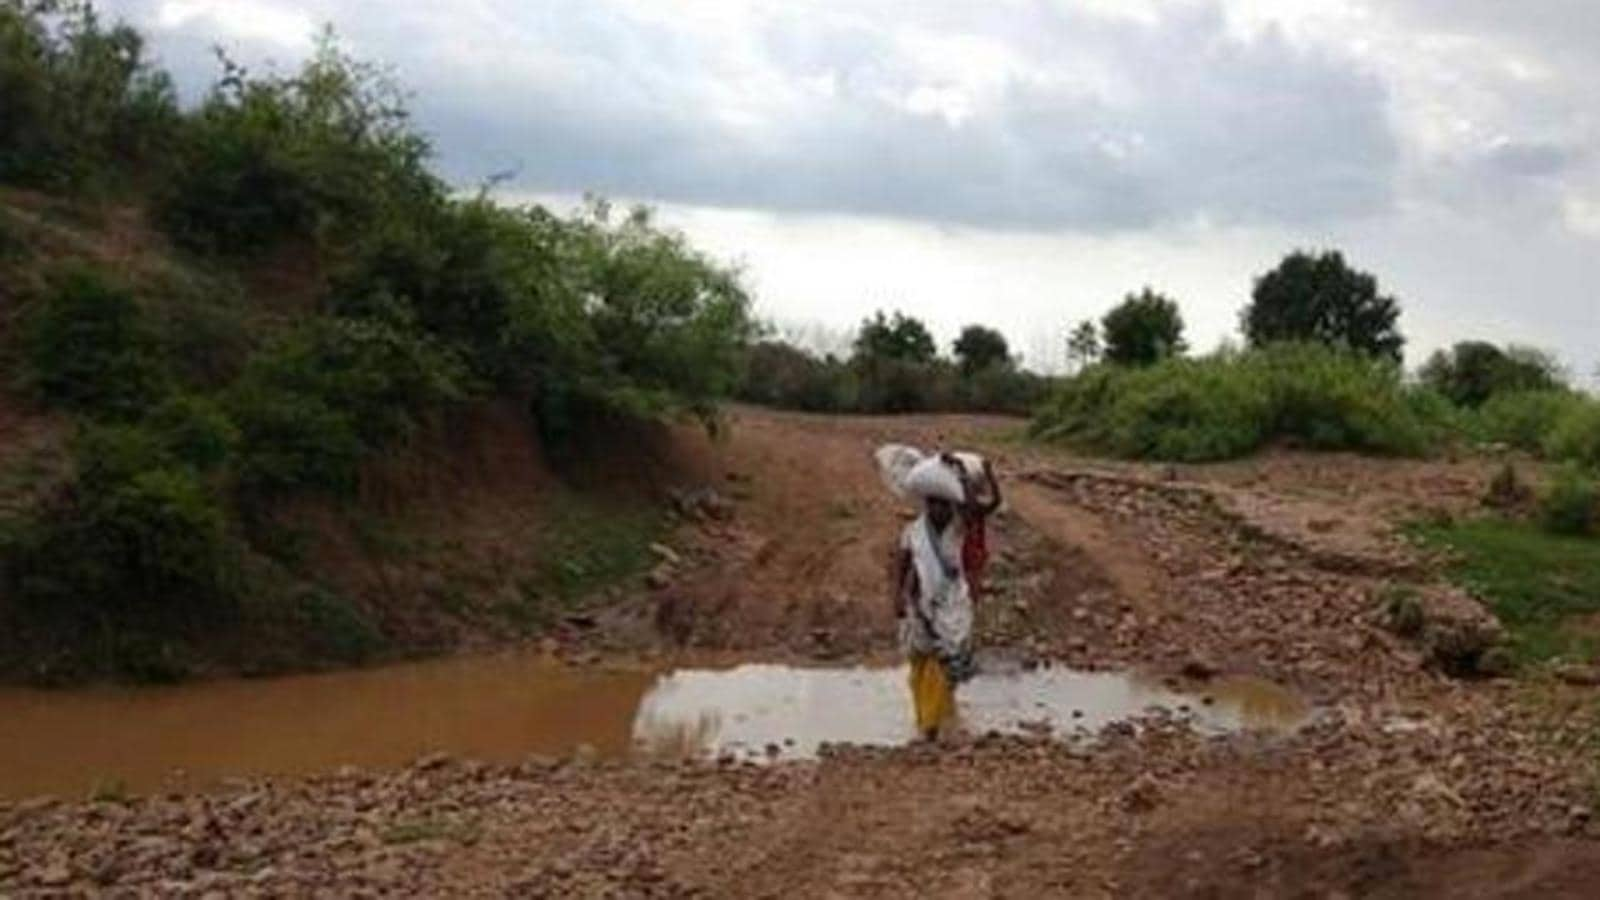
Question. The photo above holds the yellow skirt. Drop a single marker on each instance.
(931, 695)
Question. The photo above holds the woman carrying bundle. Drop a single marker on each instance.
(932, 598)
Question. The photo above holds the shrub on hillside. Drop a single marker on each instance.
(313, 404)
(457, 270)
(1182, 410)
(325, 154)
(136, 541)
(1336, 400)
(670, 325)
(1228, 404)
(1522, 419)
(195, 431)
(1575, 437)
(77, 96)
(1570, 503)
(86, 347)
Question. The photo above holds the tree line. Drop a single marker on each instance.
(894, 366)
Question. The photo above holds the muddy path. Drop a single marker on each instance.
(1407, 783)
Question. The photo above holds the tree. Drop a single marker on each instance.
(1320, 298)
(980, 348)
(1144, 329)
(1083, 345)
(1473, 371)
(902, 339)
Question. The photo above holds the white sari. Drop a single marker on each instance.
(940, 619)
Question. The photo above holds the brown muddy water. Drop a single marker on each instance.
(503, 708)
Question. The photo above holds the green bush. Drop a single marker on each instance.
(195, 431)
(205, 332)
(86, 347)
(1471, 372)
(78, 97)
(1568, 504)
(326, 154)
(782, 375)
(1330, 399)
(1522, 419)
(310, 407)
(457, 270)
(136, 543)
(1575, 437)
(1000, 389)
(1229, 404)
(1187, 410)
(334, 628)
(668, 325)
(901, 386)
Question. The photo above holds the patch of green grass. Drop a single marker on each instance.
(591, 545)
(1542, 586)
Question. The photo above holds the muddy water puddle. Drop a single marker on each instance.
(503, 708)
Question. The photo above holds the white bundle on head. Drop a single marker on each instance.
(971, 465)
(895, 462)
(935, 479)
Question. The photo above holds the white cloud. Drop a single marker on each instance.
(1042, 156)
(282, 25)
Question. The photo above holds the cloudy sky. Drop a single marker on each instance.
(1022, 162)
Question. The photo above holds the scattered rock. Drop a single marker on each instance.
(1579, 674)
(1507, 492)
(666, 554)
(1144, 795)
(432, 761)
(54, 875)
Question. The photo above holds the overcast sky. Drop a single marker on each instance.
(1022, 163)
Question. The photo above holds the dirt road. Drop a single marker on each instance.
(1407, 784)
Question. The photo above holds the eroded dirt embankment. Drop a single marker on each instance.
(1409, 784)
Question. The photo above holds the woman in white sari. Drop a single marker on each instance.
(931, 596)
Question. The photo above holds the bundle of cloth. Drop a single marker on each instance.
(939, 600)
(915, 476)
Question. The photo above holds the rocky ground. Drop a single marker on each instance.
(1411, 781)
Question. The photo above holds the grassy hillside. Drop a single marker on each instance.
(277, 396)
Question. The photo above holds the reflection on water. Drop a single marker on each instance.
(757, 710)
(503, 708)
